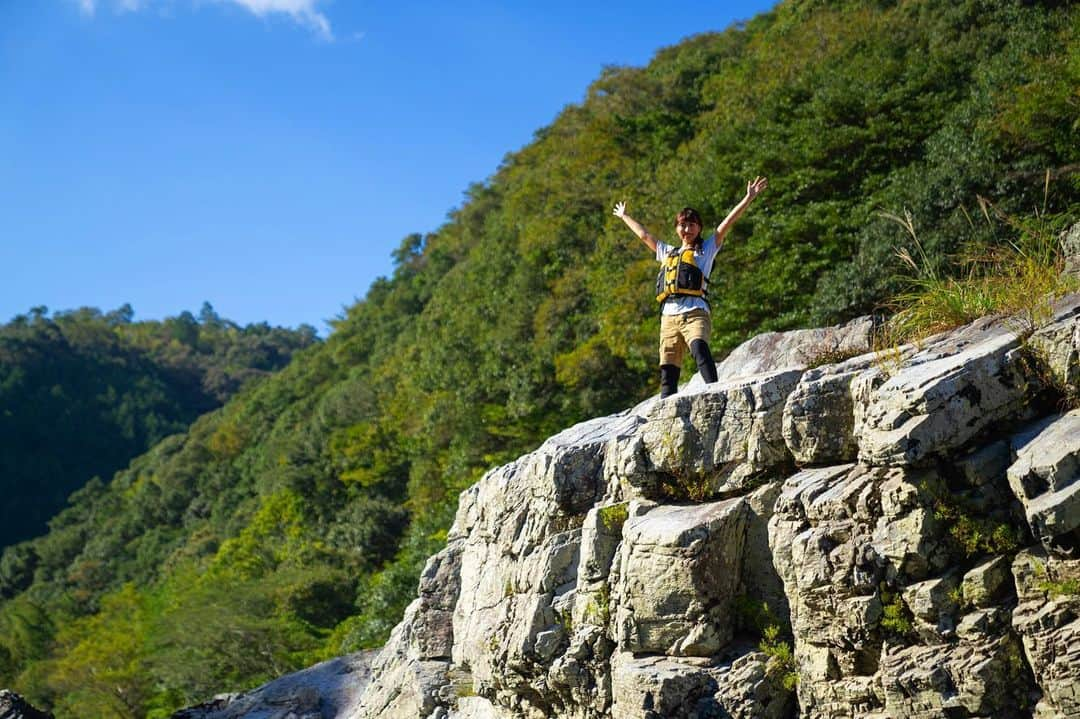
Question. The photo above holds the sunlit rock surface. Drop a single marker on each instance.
(859, 520)
(885, 535)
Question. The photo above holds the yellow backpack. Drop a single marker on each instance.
(680, 275)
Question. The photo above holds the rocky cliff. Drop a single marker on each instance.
(887, 535)
(892, 529)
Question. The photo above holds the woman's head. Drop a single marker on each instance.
(688, 225)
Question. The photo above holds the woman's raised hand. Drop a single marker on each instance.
(755, 186)
(620, 209)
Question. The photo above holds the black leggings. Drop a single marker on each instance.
(669, 373)
(703, 357)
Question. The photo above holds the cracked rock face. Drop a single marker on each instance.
(1047, 618)
(709, 441)
(1046, 478)
(943, 396)
(860, 526)
(678, 574)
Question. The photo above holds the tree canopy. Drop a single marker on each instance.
(83, 392)
(299, 514)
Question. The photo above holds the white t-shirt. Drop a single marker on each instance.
(704, 256)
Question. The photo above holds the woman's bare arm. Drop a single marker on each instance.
(635, 226)
(753, 189)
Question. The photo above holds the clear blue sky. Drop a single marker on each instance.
(268, 155)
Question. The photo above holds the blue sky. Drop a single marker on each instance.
(268, 155)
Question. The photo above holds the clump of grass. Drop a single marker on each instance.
(975, 535)
(1037, 363)
(781, 656)
(896, 618)
(1019, 278)
(695, 487)
(822, 356)
(1066, 588)
(759, 616)
(614, 516)
(956, 596)
(598, 610)
(1054, 587)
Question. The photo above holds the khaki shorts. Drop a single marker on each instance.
(678, 331)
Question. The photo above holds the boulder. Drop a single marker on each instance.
(819, 415)
(474, 707)
(934, 605)
(797, 349)
(721, 439)
(988, 583)
(660, 687)
(1046, 477)
(678, 571)
(942, 396)
(753, 686)
(329, 689)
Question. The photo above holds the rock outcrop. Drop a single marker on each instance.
(885, 535)
(886, 528)
(13, 706)
(329, 689)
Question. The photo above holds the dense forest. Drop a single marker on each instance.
(84, 392)
(291, 524)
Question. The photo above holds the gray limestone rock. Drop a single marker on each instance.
(988, 583)
(934, 604)
(659, 687)
(703, 444)
(985, 465)
(798, 349)
(679, 568)
(942, 396)
(1047, 618)
(474, 707)
(597, 576)
(752, 686)
(1055, 347)
(982, 675)
(1045, 477)
(819, 416)
(821, 536)
(760, 582)
(325, 691)
(403, 685)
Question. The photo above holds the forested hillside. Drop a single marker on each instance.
(290, 525)
(83, 392)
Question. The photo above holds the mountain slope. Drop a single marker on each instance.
(82, 393)
(296, 518)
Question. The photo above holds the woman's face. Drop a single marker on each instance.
(688, 231)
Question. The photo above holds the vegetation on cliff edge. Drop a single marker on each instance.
(295, 519)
